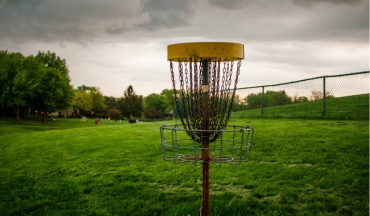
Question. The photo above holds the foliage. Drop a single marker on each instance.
(319, 95)
(270, 98)
(51, 60)
(238, 103)
(114, 114)
(170, 99)
(130, 103)
(299, 99)
(110, 102)
(155, 101)
(153, 113)
(97, 98)
(55, 92)
(20, 79)
(349, 107)
(89, 98)
(82, 100)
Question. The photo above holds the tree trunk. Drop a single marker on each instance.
(44, 119)
(3, 113)
(16, 116)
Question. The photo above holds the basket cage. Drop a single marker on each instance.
(233, 145)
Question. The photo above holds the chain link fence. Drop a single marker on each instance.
(344, 96)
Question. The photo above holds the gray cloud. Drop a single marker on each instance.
(311, 3)
(230, 4)
(85, 21)
(63, 21)
(161, 14)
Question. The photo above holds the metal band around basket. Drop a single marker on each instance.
(223, 50)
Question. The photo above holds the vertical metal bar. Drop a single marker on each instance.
(241, 146)
(195, 146)
(219, 164)
(173, 146)
(233, 140)
(263, 93)
(324, 97)
(162, 141)
(205, 141)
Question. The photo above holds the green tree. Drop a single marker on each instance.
(20, 79)
(55, 90)
(110, 102)
(82, 100)
(155, 101)
(280, 98)
(130, 103)
(139, 106)
(3, 53)
(170, 98)
(270, 98)
(97, 99)
(51, 60)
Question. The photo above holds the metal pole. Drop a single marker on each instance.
(205, 142)
(263, 93)
(324, 97)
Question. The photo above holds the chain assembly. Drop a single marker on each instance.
(189, 95)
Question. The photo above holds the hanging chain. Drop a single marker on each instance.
(220, 101)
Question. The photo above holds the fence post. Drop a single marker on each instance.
(324, 96)
(263, 93)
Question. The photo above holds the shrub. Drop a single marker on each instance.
(114, 114)
(153, 113)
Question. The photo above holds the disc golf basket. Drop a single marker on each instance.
(204, 102)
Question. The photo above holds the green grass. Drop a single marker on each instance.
(350, 107)
(297, 167)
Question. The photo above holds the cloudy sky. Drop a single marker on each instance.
(114, 43)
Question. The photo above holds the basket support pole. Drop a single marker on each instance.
(205, 141)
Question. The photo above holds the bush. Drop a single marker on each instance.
(114, 114)
(153, 113)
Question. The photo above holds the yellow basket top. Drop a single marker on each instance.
(223, 50)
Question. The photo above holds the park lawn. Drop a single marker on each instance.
(297, 167)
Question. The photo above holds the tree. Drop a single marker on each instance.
(155, 101)
(97, 99)
(319, 95)
(20, 79)
(170, 98)
(139, 107)
(280, 98)
(2, 80)
(82, 100)
(55, 90)
(130, 103)
(110, 102)
(270, 98)
(51, 60)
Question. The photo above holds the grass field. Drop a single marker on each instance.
(350, 107)
(297, 167)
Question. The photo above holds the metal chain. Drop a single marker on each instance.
(220, 100)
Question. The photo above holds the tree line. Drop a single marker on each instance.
(42, 84)
(275, 98)
(39, 82)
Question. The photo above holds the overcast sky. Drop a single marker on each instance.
(114, 43)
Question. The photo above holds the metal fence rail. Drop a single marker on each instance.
(344, 96)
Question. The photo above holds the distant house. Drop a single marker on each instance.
(168, 115)
(70, 112)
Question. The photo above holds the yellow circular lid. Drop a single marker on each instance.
(223, 50)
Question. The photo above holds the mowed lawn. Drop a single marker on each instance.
(297, 167)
